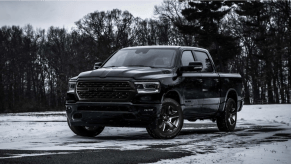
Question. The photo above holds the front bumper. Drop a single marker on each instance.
(111, 114)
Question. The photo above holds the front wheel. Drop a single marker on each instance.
(170, 122)
(86, 131)
(227, 121)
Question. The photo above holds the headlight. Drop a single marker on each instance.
(72, 86)
(147, 87)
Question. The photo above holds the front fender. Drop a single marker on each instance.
(175, 94)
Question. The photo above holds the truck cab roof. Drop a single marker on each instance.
(166, 46)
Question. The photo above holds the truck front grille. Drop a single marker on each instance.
(104, 84)
(104, 91)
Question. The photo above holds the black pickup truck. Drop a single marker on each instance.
(155, 87)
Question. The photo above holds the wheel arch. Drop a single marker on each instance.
(173, 94)
(231, 93)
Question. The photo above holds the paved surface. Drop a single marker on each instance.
(153, 153)
(94, 156)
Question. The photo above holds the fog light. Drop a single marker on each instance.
(69, 109)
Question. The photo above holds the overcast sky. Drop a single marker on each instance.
(43, 14)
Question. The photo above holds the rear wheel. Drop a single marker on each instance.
(170, 122)
(227, 121)
(86, 131)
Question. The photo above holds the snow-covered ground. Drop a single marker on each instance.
(263, 135)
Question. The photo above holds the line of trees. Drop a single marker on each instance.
(264, 30)
(252, 38)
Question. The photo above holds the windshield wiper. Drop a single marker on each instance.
(132, 66)
(109, 66)
(141, 66)
(136, 66)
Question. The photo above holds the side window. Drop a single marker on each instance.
(202, 56)
(187, 57)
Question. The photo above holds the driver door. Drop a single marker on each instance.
(192, 86)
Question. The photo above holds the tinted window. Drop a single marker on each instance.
(187, 57)
(143, 57)
(202, 56)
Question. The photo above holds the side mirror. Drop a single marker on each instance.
(97, 65)
(193, 66)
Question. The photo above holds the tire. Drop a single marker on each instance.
(86, 131)
(227, 121)
(170, 122)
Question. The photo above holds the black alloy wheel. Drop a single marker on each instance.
(227, 121)
(170, 121)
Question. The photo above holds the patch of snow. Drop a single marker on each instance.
(277, 113)
(31, 155)
(49, 131)
(34, 116)
(264, 154)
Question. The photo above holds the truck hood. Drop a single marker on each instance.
(125, 72)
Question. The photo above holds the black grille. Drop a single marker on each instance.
(104, 84)
(104, 91)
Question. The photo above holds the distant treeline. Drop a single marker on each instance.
(251, 38)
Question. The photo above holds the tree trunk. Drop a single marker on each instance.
(247, 93)
(2, 109)
(289, 77)
(256, 92)
(276, 90)
(283, 99)
(270, 92)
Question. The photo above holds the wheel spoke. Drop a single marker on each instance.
(177, 123)
(171, 125)
(169, 110)
(161, 125)
(174, 125)
(174, 112)
(232, 120)
(173, 117)
(164, 126)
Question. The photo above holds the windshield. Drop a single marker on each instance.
(145, 57)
